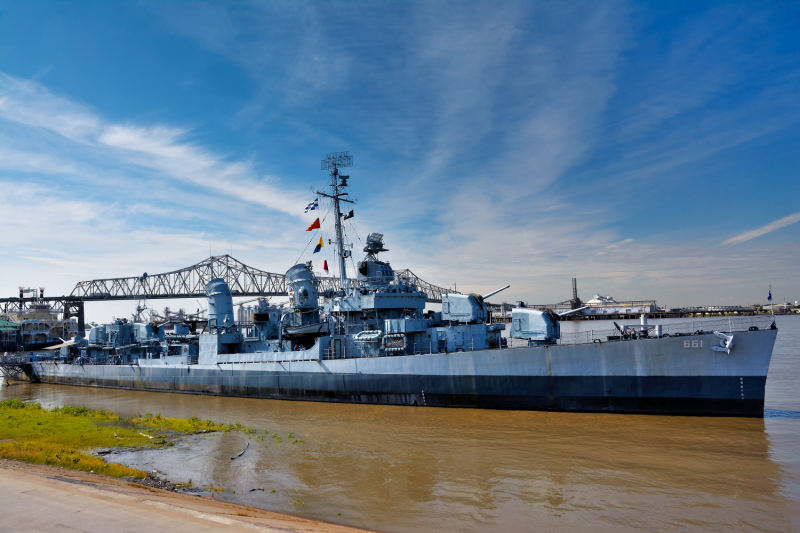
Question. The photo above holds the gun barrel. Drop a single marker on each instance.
(494, 292)
(573, 311)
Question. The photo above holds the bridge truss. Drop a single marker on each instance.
(190, 282)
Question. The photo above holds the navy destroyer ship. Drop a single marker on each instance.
(372, 341)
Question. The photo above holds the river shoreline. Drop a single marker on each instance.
(43, 497)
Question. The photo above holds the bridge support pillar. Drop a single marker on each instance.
(76, 309)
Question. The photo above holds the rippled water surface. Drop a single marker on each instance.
(425, 469)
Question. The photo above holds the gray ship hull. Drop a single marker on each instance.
(658, 376)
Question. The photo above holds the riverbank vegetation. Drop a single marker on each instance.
(65, 436)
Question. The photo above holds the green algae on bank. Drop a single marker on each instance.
(65, 436)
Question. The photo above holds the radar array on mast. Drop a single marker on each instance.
(332, 163)
(337, 160)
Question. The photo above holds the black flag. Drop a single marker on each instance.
(349, 215)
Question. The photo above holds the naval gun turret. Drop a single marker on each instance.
(466, 308)
(535, 325)
(538, 326)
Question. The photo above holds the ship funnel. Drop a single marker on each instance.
(495, 292)
(220, 303)
(302, 287)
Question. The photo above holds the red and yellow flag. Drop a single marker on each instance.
(314, 225)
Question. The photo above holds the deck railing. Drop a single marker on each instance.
(694, 327)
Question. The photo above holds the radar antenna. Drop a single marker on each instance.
(374, 246)
(333, 162)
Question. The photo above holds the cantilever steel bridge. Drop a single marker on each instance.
(190, 282)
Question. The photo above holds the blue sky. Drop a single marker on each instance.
(649, 149)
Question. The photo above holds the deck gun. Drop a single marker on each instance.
(466, 308)
(538, 326)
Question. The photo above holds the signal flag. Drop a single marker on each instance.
(314, 225)
(325, 266)
(320, 245)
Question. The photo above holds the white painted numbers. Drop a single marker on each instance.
(693, 344)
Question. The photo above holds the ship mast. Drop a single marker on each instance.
(333, 162)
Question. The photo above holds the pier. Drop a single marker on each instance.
(606, 308)
(13, 367)
(502, 312)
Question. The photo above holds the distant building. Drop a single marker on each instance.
(607, 305)
(782, 309)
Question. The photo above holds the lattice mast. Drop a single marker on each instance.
(332, 163)
(575, 302)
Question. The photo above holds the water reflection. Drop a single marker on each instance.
(781, 413)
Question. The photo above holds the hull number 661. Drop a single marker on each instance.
(692, 344)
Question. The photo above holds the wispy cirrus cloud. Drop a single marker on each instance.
(29, 103)
(160, 148)
(763, 230)
(165, 150)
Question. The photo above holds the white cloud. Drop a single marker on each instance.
(27, 102)
(161, 148)
(763, 230)
(31, 161)
(164, 150)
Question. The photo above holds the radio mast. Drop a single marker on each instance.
(333, 162)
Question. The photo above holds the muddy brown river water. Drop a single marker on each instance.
(421, 469)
